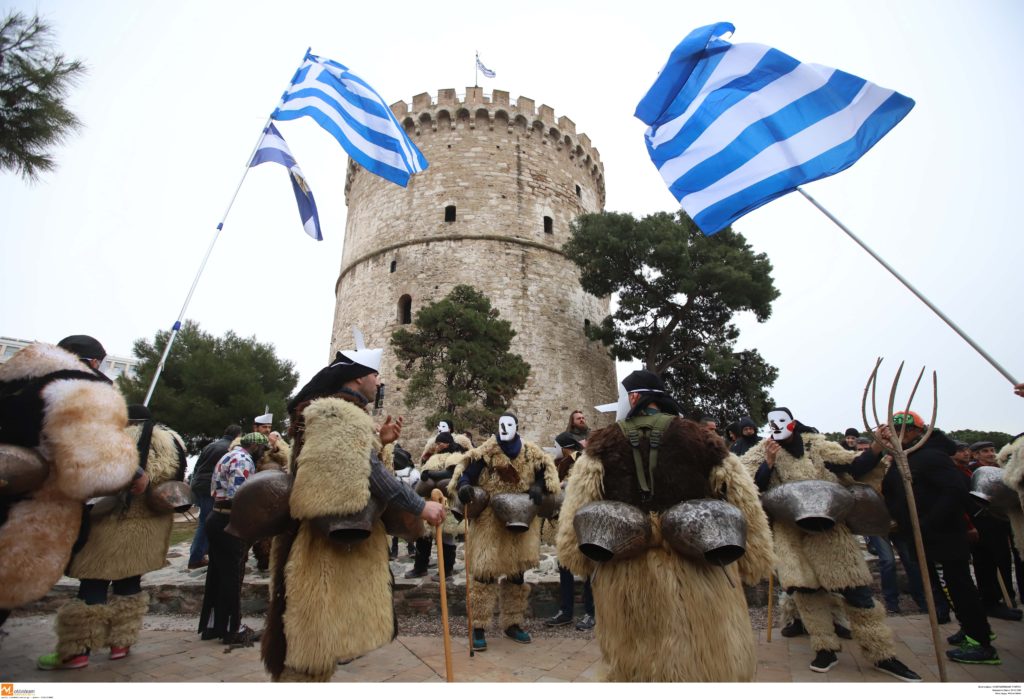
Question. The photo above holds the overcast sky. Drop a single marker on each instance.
(177, 93)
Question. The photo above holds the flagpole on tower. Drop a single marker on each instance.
(202, 266)
(476, 71)
(918, 294)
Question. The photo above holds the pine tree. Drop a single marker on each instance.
(34, 81)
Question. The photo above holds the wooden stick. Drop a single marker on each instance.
(437, 496)
(771, 597)
(1007, 600)
(469, 606)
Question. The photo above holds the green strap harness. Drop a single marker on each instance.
(652, 426)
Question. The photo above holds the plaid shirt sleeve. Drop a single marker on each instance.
(231, 472)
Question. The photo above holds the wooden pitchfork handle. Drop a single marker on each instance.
(469, 606)
(771, 598)
(437, 496)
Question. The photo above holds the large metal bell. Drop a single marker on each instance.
(707, 530)
(103, 505)
(814, 506)
(22, 470)
(515, 510)
(402, 524)
(551, 504)
(608, 529)
(869, 515)
(170, 496)
(989, 490)
(481, 499)
(259, 509)
(425, 487)
(352, 528)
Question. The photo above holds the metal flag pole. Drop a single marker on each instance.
(918, 294)
(220, 226)
(476, 71)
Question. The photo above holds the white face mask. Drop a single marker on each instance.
(443, 427)
(781, 425)
(506, 429)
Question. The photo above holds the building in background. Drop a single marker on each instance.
(113, 366)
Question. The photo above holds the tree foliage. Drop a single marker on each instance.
(457, 360)
(210, 382)
(677, 292)
(998, 439)
(34, 80)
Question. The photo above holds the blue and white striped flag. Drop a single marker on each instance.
(488, 73)
(273, 149)
(358, 118)
(732, 127)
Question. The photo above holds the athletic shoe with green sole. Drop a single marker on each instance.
(976, 655)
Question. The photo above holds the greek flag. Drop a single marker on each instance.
(273, 149)
(488, 73)
(351, 111)
(732, 127)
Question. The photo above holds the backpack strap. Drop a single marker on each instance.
(653, 426)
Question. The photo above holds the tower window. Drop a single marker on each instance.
(549, 225)
(449, 214)
(405, 309)
(579, 192)
(394, 265)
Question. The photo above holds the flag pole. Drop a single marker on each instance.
(220, 226)
(476, 71)
(918, 294)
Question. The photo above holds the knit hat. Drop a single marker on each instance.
(254, 438)
(84, 346)
(852, 432)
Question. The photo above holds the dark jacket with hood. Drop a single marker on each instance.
(940, 492)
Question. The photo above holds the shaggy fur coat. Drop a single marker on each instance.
(829, 560)
(337, 598)
(83, 440)
(493, 550)
(135, 540)
(1011, 458)
(663, 617)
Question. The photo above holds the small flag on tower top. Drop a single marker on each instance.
(488, 73)
(358, 118)
(732, 127)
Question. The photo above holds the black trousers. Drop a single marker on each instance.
(222, 595)
(964, 597)
(992, 554)
(94, 591)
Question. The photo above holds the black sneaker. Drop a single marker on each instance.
(842, 631)
(793, 629)
(824, 661)
(892, 666)
(964, 641)
(516, 633)
(1001, 611)
(416, 573)
(586, 623)
(560, 619)
(975, 655)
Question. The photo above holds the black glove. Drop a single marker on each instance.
(536, 493)
(466, 494)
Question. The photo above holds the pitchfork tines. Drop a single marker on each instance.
(896, 439)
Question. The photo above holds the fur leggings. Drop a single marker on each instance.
(867, 621)
(510, 595)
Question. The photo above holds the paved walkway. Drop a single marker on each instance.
(169, 651)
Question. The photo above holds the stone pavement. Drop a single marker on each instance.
(170, 651)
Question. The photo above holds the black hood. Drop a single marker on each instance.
(940, 441)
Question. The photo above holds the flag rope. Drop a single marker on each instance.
(910, 286)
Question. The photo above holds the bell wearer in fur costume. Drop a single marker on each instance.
(333, 601)
(811, 565)
(663, 617)
(1011, 458)
(505, 463)
(120, 546)
(54, 402)
(447, 451)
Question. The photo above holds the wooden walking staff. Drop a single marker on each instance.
(436, 496)
(771, 594)
(469, 606)
(894, 443)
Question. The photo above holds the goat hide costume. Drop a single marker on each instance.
(494, 550)
(813, 564)
(663, 617)
(1011, 458)
(329, 601)
(76, 422)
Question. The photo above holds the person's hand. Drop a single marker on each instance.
(433, 512)
(391, 430)
(771, 450)
(1019, 389)
(272, 438)
(139, 484)
(972, 536)
(466, 494)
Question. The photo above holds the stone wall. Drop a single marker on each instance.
(505, 168)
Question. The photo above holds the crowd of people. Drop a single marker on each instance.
(645, 506)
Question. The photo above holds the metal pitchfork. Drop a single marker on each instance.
(894, 444)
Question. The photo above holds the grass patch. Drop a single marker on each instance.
(182, 531)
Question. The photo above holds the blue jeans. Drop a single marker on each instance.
(567, 588)
(200, 543)
(886, 570)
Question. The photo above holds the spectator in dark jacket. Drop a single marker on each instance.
(200, 482)
(748, 436)
(940, 493)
